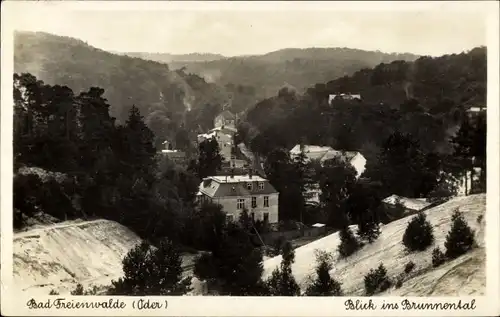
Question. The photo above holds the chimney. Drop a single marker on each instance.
(232, 173)
(250, 173)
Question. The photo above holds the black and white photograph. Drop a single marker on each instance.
(250, 150)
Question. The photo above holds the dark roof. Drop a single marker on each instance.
(219, 187)
(227, 115)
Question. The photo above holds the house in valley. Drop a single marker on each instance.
(226, 120)
(325, 153)
(396, 207)
(224, 140)
(322, 154)
(238, 192)
(177, 156)
(333, 97)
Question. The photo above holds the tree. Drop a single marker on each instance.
(460, 239)
(282, 281)
(399, 166)
(348, 242)
(285, 177)
(463, 146)
(363, 205)
(138, 144)
(418, 235)
(376, 280)
(235, 266)
(324, 284)
(336, 181)
(152, 271)
(210, 159)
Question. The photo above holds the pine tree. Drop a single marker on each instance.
(460, 238)
(368, 227)
(419, 234)
(282, 281)
(324, 284)
(235, 265)
(348, 242)
(210, 159)
(152, 271)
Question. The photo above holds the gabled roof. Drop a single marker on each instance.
(226, 114)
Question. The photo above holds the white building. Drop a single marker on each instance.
(332, 97)
(238, 192)
(323, 154)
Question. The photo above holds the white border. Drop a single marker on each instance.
(15, 304)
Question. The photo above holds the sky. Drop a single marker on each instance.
(233, 31)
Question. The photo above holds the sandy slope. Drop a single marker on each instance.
(464, 276)
(61, 255)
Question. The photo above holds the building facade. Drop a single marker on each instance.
(226, 119)
(322, 154)
(236, 193)
(224, 140)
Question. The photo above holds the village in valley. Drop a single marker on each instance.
(300, 172)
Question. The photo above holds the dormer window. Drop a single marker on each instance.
(249, 186)
(261, 186)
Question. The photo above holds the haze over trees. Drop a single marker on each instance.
(411, 126)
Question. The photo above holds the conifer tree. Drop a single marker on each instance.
(419, 234)
(282, 281)
(152, 270)
(348, 242)
(460, 238)
(324, 284)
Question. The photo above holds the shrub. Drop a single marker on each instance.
(409, 267)
(460, 238)
(438, 257)
(152, 271)
(399, 281)
(282, 281)
(479, 218)
(376, 281)
(419, 234)
(53, 292)
(369, 229)
(348, 243)
(324, 284)
(78, 290)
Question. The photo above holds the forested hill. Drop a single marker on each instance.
(426, 98)
(162, 95)
(267, 73)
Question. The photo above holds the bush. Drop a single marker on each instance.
(53, 292)
(369, 229)
(409, 267)
(376, 281)
(152, 271)
(324, 284)
(348, 243)
(438, 257)
(282, 281)
(78, 290)
(460, 238)
(419, 234)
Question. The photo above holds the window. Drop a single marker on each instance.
(249, 186)
(253, 216)
(266, 201)
(254, 202)
(240, 204)
(266, 217)
(229, 218)
(261, 186)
